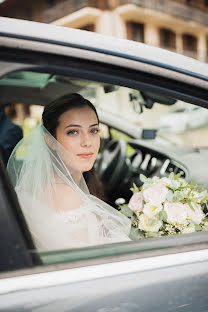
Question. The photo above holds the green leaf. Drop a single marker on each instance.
(177, 176)
(135, 188)
(205, 226)
(163, 215)
(203, 196)
(204, 199)
(190, 205)
(197, 227)
(171, 176)
(169, 196)
(152, 234)
(178, 196)
(126, 211)
(135, 234)
(192, 183)
(143, 178)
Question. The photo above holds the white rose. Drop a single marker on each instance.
(155, 194)
(176, 213)
(165, 181)
(175, 184)
(151, 209)
(144, 224)
(195, 215)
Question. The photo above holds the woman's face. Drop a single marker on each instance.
(78, 133)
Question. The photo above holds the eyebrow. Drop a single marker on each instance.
(79, 126)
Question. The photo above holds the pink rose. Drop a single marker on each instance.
(195, 215)
(155, 194)
(136, 202)
(176, 213)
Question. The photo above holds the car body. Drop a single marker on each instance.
(160, 274)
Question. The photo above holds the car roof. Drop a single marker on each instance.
(10, 27)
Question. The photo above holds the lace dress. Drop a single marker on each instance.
(81, 227)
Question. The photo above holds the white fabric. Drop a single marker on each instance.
(60, 212)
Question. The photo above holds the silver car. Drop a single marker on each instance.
(134, 87)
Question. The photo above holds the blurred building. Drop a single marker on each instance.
(176, 25)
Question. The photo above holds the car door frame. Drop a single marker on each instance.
(111, 69)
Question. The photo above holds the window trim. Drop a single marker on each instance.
(92, 70)
(115, 71)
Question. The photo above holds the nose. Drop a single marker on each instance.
(85, 140)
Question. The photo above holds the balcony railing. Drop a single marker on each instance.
(166, 6)
(67, 7)
(171, 7)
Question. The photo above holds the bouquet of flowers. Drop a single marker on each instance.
(165, 206)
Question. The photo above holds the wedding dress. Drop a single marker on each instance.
(58, 208)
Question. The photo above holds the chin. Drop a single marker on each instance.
(86, 168)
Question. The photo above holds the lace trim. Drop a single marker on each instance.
(75, 215)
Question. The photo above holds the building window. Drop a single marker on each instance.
(167, 39)
(189, 45)
(89, 27)
(51, 3)
(199, 4)
(135, 31)
(206, 6)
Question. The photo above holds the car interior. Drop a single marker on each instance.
(141, 132)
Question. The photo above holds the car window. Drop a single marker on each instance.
(163, 135)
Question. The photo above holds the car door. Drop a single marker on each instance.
(168, 273)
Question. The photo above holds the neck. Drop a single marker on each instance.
(76, 177)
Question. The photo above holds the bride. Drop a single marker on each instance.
(53, 194)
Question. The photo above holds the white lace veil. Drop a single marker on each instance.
(55, 200)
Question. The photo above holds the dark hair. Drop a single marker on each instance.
(56, 108)
(11, 110)
(50, 117)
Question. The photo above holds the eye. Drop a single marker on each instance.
(95, 131)
(72, 132)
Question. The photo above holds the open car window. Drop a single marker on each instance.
(163, 135)
(174, 120)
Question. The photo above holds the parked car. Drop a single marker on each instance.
(133, 86)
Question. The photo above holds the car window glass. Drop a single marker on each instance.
(163, 135)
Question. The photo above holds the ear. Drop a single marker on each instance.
(49, 142)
